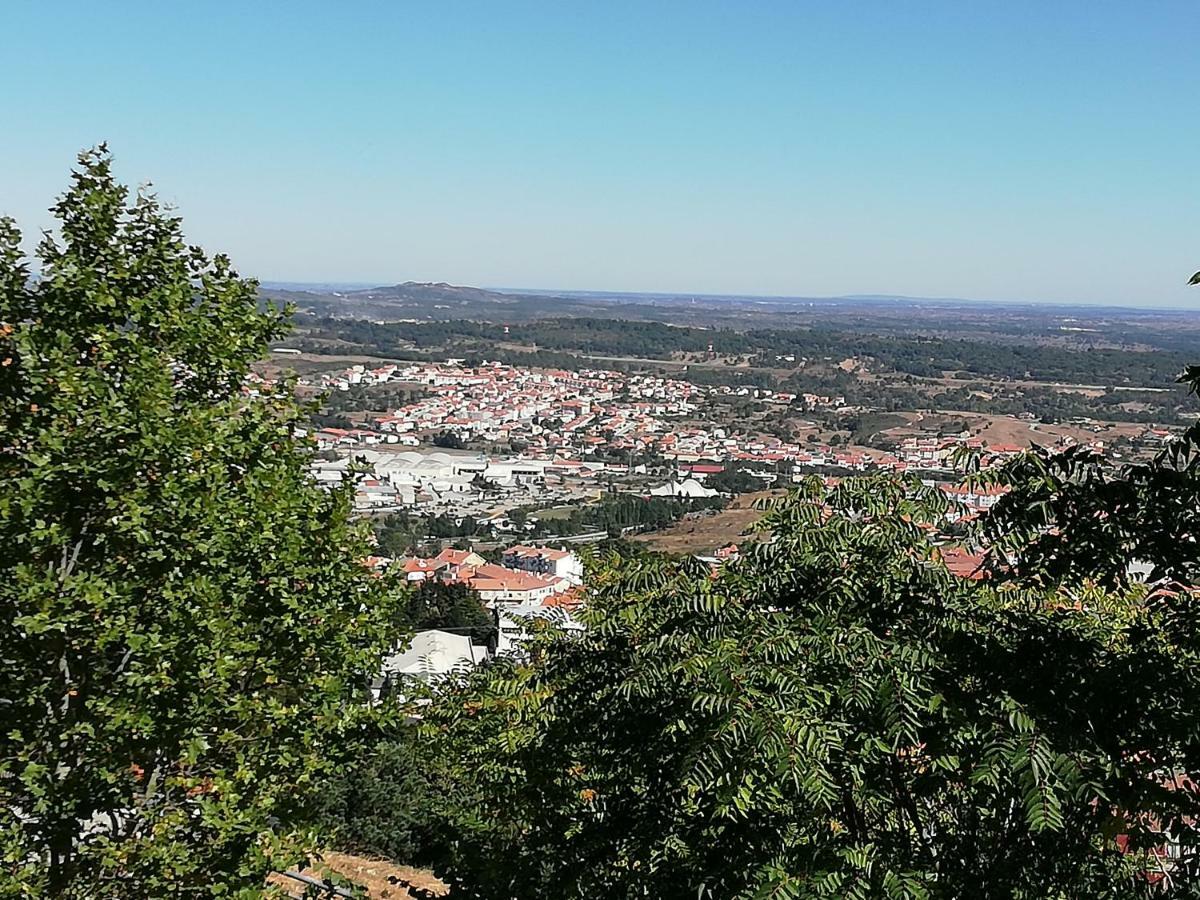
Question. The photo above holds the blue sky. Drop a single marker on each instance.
(1030, 151)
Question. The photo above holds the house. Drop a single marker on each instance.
(458, 558)
(497, 584)
(417, 570)
(963, 563)
(514, 623)
(545, 561)
(430, 655)
(974, 499)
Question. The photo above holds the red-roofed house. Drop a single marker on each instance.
(501, 585)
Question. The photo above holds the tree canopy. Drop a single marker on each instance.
(191, 633)
(189, 629)
(835, 715)
(838, 713)
(449, 607)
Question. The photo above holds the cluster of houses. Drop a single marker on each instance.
(532, 583)
(529, 583)
(554, 413)
(524, 575)
(564, 420)
(547, 411)
(574, 433)
(567, 431)
(572, 420)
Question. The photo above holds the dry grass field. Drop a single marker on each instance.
(381, 880)
(706, 534)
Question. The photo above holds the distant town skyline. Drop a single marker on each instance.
(1023, 152)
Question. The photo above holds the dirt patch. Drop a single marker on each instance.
(1009, 430)
(310, 363)
(706, 534)
(381, 880)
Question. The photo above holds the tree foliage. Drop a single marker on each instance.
(188, 628)
(449, 607)
(835, 715)
(902, 354)
(1073, 515)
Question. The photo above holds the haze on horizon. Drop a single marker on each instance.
(1023, 152)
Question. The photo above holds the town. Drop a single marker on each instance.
(555, 451)
(494, 454)
(484, 440)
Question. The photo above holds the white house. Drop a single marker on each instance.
(431, 655)
(498, 584)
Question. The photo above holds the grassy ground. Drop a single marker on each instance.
(554, 512)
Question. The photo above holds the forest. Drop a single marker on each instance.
(918, 356)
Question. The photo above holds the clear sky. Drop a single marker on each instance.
(1004, 150)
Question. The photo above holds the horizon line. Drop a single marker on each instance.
(280, 284)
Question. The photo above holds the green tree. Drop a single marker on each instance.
(381, 805)
(188, 629)
(450, 607)
(835, 715)
(451, 440)
(734, 481)
(1073, 515)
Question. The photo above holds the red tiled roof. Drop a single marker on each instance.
(490, 577)
(569, 600)
(453, 557)
(963, 563)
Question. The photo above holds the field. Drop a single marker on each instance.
(706, 534)
(994, 429)
(311, 363)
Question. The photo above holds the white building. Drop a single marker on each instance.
(431, 655)
(515, 622)
(545, 561)
(690, 489)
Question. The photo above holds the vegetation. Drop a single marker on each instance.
(620, 513)
(1075, 517)
(917, 356)
(735, 481)
(381, 806)
(449, 607)
(996, 378)
(449, 440)
(402, 534)
(836, 716)
(188, 628)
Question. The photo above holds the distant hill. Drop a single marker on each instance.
(1078, 325)
(433, 292)
(434, 301)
